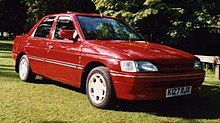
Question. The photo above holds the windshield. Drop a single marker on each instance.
(98, 28)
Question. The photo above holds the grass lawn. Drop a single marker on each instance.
(48, 101)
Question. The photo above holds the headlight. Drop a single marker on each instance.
(145, 66)
(128, 66)
(138, 66)
(197, 65)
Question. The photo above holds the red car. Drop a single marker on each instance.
(105, 57)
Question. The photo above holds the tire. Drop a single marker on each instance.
(25, 72)
(99, 88)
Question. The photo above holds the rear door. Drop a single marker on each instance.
(63, 55)
(36, 45)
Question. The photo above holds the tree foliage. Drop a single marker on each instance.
(12, 15)
(36, 9)
(172, 19)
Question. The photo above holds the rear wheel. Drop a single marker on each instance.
(25, 71)
(99, 88)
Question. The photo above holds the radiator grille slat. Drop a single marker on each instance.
(176, 68)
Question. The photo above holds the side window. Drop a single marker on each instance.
(63, 23)
(44, 28)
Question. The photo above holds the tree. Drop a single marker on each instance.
(12, 16)
(36, 9)
(39, 8)
(168, 20)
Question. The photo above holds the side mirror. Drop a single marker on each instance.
(67, 34)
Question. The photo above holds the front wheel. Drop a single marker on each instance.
(99, 88)
(25, 71)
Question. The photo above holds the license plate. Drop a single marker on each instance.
(179, 91)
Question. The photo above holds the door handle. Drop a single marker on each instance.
(28, 44)
(50, 47)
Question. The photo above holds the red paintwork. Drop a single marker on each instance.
(132, 86)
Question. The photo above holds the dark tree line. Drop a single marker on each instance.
(18, 16)
(12, 17)
(38, 8)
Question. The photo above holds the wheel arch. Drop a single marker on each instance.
(86, 71)
(17, 61)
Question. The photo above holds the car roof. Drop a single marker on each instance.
(79, 14)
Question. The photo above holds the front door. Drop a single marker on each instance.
(63, 55)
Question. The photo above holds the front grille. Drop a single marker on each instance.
(176, 68)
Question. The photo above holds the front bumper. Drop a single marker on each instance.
(152, 86)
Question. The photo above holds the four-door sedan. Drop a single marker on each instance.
(106, 58)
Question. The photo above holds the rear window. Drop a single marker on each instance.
(44, 28)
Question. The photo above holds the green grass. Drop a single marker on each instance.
(48, 101)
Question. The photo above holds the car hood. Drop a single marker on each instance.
(139, 50)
